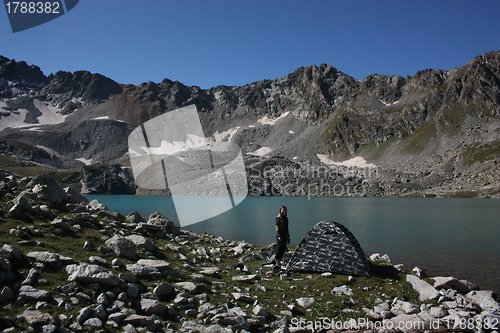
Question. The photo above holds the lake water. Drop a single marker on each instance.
(450, 237)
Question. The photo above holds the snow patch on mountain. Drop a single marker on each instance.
(268, 121)
(357, 161)
(226, 135)
(389, 104)
(261, 151)
(17, 119)
(13, 119)
(50, 114)
(84, 160)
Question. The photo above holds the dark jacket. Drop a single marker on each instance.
(282, 227)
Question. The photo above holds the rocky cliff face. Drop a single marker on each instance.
(434, 133)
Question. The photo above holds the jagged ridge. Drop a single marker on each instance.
(436, 128)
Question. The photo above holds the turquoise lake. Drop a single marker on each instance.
(450, 237)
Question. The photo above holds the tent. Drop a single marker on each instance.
(329, 247)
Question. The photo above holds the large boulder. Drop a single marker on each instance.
(150, 307)
(142, 242)
(74, 196)
(166, 225)
(31, 293)
(122, 246)
(425, 291)
(47, 189)
(449, 282)
(485, 299)
(86, 273)
(51, 260)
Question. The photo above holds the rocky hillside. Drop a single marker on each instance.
(68, 265)
(433, 133)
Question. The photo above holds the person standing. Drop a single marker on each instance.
(282, 235)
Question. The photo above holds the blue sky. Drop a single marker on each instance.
(236, 42)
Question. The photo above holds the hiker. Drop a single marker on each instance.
(282, 235)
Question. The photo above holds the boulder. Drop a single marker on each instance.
(93, 322)
(441, 282)
(96, 205)
(137, 321)
(305, 301)
(485, 299)
(210, 271)
(165, 225)
(141, 270)
(52, 260)
(141, 242)
(47, 189)
(438, 311)
(246, 278)
(32, 277)
(242, 297)
(74, 196)
(342, 290)
(260, 310)
(382, 259)
(425, 291)
(13, 252)
(409, 320)
(31, 293)
(403, 307)
(154, 263)
(36, 318)
(6, 294)
(187, 286)
(86, 273)
(163, 289)
(134, 217)
(122, 247)
(150, 307)
(60, 223)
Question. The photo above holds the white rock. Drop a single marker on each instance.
(242, 297)
(305, 301)
(91, 274)
(30, 293)
(342, 290)
(425, 291)
(188, 286)
(157, 264)
(484, 298)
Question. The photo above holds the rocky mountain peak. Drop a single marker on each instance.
(92, 88)
(21, 72)
(19, 76)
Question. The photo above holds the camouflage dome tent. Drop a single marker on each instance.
(329, 247)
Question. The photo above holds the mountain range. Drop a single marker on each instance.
(317, 130)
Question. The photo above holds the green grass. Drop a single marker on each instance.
(480, 153)
(8, 164)
(419, 140)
